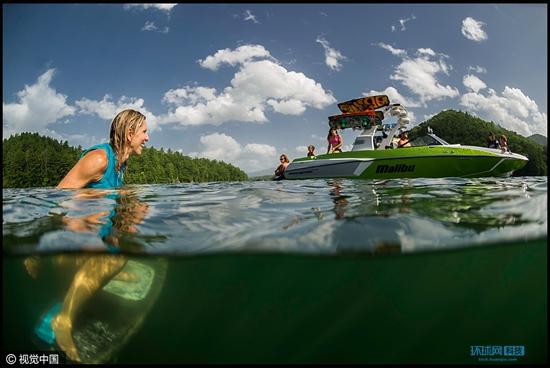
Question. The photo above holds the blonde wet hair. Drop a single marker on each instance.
(126, 121)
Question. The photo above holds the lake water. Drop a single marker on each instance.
(311, 271)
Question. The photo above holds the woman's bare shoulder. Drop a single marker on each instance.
(95, 160)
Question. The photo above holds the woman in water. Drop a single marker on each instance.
(280, 171)
(101, 166)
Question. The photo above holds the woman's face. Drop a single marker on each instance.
(139, 138)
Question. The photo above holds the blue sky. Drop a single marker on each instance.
(244, 83)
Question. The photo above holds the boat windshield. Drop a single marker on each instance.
(427, 140)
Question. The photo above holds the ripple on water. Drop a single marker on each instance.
(303, 216)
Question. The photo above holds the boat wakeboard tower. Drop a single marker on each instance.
(367, 114)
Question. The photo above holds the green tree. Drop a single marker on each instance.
(31, 160)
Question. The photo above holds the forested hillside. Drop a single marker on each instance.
(32, 160)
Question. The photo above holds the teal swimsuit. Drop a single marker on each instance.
(110, 179)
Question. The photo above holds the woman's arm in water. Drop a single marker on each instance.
(89, 168)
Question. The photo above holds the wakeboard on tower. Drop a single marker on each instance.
(360, 113)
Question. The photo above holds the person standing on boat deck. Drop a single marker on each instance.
(101, 166)
(335, 141)
(492, 141)
(311, 151)
(503, 141)
(403, 140)
(279, 172)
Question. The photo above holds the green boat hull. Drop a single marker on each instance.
(413, 162)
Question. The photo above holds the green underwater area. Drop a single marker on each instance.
(424, 307)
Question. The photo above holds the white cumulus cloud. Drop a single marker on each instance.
(251, 157)
(394, 96)
(473, 83)
(257, 86)
(107, 109)
(472, 30)
(333, 57)
(240, 55)
(260, 149)
(38, 105)
(219, 146)
(419, 73)
(163, 7)
(512, 110)
(287, 107)
(193, 95)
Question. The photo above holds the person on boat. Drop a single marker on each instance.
(335, 141)
(403, 140)
(311, 151)
(280, 171)
(100, 166)
(492, 141)
(503, 142)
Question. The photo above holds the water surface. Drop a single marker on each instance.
(312, 271)
(320, 217)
